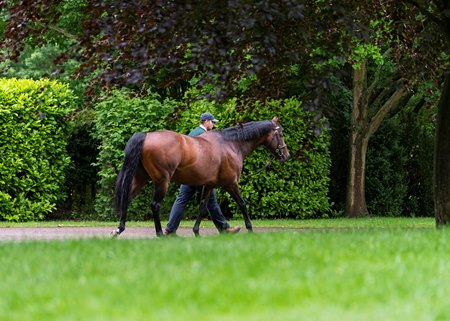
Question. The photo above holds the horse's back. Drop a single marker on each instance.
(160, 153)
(220, 163)
(166, 154)
(198, 160)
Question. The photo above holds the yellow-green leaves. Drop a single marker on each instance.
(33, 136)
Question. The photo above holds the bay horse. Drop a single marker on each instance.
(213, 159)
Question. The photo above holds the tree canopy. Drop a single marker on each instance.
(167, 42)
(260, 43)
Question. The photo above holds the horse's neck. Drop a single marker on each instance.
(247, 148)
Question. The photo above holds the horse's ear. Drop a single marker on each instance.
(275, 120)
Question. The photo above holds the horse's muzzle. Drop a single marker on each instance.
(278, 153)
(283, 158)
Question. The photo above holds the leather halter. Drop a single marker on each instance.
(280, 145)
(277, 151)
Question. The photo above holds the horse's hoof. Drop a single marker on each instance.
(233, 230)
(115, 233)
(196, 231)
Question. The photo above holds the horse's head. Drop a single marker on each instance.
(275, 142)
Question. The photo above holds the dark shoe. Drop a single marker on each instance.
(169, 233)
(233, 230)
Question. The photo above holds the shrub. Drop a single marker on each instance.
(81, 175)
(386, 179)
(117, 118)
(34, 130)
(295, 189)
(399, 166)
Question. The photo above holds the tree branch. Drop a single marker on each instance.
(403, 102)
(63, 32)
(360, 92)
(425, 12)
(376, 102)
(390, 104)
(377, 79)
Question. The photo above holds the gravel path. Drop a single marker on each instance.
(51, 233)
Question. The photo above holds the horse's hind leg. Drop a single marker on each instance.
(236, 195)
(158, 196)
(206, 193)
(139, 180)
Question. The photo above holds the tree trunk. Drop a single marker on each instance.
(442, 158)
(356, 184)
(361, 130)
(356, 195)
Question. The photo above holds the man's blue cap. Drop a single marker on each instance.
(208, 116)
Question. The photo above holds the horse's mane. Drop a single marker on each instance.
(247, 131)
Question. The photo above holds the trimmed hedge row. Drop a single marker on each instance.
(295, 189)
(117, 118)
(34, 129)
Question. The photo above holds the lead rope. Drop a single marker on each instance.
(264, 167)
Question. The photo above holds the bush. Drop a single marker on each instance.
(34, 130)
(386, 178)
(295, 189)
(400, 163)
(81, 175)
(399, 166)
(117, 118)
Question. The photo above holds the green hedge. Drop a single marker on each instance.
(117, 118)
(34, 128)
(295, 189)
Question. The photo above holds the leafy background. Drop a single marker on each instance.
(34, 129)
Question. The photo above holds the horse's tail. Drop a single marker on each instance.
(133, 150)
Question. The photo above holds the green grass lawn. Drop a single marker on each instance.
(383, 269)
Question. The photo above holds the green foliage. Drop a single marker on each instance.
(295, 189)
(33, 157)
(340, 105)
(33, 63)
(380, 40)
(39, 62)
(117, 118)
(81, 175)
(399, 166)
(419, 199)
(386, 177)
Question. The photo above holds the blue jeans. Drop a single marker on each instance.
(187, 192)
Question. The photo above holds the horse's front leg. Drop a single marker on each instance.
(236, 195)
(203, 210)
(158, 196)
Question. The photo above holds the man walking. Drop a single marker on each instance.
(187, 192)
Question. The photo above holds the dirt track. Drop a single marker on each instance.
(51, 233)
